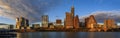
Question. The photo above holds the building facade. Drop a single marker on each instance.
(91, 22)
(22, 23)
(68, 21)
(71, 21)
(45, 21)
(6, 26)
(109, 23)
(35, 26)
(58, 22)
(17, 23)
(76, 22)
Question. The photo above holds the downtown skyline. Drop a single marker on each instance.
(82, 8)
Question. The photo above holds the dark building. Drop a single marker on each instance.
(58, 22)
(35, 26)
(82, 24)
(86, 21)
(26, 23)
(50, 24)
(22, 21)
(76, 21)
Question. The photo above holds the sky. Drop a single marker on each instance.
(34, 9)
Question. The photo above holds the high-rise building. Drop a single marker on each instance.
(76, 21)
(45, 21)
(22, 23)
(109, 23)
(91, 22)
(68, 20)
(72, 15)
(17, 23)
(26, 23)
(72, 11)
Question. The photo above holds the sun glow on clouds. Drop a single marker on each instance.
(30, 9)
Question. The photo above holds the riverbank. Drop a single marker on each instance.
(66, 30)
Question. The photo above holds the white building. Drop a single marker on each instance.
(45, 21)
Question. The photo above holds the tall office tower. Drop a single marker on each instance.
(45, 21)
(72, 15)
(58, 22)
(109, 23)
(68, 20)
(26, 23)
(22, 22)
(26, 26)
(72, 11)
(76, 22)
(17, 23)
(91, 22)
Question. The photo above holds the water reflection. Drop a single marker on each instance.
(91, 35)
(69, 35)
(72, 35)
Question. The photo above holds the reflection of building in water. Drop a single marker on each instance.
(91, 35)
(18, 35)
(72, 35)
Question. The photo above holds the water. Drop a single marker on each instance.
(69, 35)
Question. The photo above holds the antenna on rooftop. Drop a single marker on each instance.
(72, 3)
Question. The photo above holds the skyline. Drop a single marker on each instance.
(82, 8)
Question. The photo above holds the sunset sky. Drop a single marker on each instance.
(34, 9)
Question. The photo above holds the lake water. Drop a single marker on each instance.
(69, 35)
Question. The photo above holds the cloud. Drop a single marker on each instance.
(30, 9)
(100, 16)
